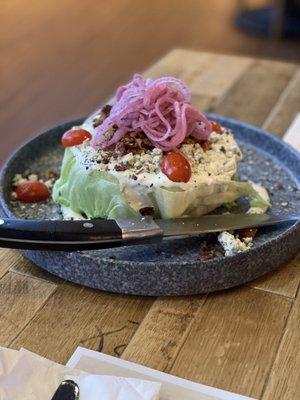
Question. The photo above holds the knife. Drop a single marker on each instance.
(99, 234)
(67, 390)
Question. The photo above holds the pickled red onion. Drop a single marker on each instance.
(160, 108)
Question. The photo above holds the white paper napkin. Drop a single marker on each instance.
(96, 387)
(26, 376)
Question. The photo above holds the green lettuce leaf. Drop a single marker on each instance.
(93, 194)
(98, 195)
(205, 198)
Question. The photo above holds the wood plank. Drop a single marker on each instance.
(284, 381)
(76, 316)
(203, 102)
(13, 260)
(284, 281)
(6, 258)
(20, 265)
(164, 329)
(233, 340)
(286, 109)
(21, 298)
(254, 95)
(182, 64)
(222, 72)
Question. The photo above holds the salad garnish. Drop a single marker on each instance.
(75, 136)
(176, 166)
(160, 108)
(32, 192)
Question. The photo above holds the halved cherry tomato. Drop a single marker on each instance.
(74, 137)
(216, 127)
(32, 192)
(176, 167)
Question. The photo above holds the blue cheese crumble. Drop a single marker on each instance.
(232, 244)
(215, 165)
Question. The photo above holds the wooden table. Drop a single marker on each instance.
(244, 340)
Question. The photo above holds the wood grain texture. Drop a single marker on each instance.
(286, 109)
(284, 381)
(164, 329)
(20, 265)
(75, 316)
(234, 340)
(21, 297)
(222, 72)
(7, 258)
(254, 95)
(183, 64)
(12, 260)
(284, 281)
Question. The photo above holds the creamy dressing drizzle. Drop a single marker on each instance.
(217, 165)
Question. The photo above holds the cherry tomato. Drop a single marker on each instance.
(216, 127)
(176, 167)
(32, 192)
(74, 137)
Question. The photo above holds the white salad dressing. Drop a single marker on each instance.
(216, 165)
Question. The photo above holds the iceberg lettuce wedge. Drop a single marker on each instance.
(96, 194)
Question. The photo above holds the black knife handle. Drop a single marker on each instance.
(77, 235)
(59, 235)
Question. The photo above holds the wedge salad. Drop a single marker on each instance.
(151, 152)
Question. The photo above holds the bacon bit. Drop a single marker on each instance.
(216, 127)
(110, 133)
(247, 233)
(147, 211)
(99, 119)
(205, 254)
(205, 145)
(121, 167)
(106, 110)
(49, 175)
(133, 142)
(104, 160)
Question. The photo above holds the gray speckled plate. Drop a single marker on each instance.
(171, 268)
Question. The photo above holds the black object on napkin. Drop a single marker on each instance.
(67, 390)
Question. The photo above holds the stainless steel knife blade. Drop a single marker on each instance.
(67, 390)
(217, 223)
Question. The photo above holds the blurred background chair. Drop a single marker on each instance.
(279, 18)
